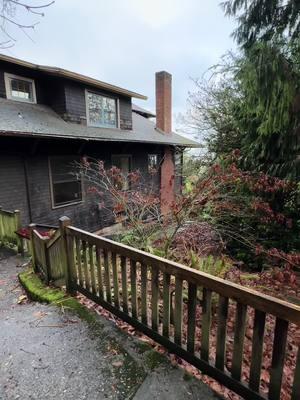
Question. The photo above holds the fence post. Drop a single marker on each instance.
(64, 222)
(20, 245)
(31, 228)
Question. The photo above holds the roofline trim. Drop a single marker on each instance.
(94, 138)
(60, 72)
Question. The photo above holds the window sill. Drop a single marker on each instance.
(67, 204)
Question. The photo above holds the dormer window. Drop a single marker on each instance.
(19, 88)
(101, 110)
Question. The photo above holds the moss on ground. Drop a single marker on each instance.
(37, 291)
(153, 359)
(187, 376)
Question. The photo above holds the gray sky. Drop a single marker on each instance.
(125, 42)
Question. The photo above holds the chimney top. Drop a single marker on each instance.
(164, 101)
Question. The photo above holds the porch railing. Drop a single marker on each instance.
(10, 222)
(180, 307)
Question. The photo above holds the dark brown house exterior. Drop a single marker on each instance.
(50, 117)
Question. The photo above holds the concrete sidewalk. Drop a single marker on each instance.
(49, 353)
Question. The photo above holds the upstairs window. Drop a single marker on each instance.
(66, 187)
(101, 111)
(19, 88)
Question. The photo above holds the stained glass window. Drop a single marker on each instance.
(102, 110)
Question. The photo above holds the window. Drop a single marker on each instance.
(101, 110)
(123, 162)
(66, 184)
(20, 89)
(152, 163)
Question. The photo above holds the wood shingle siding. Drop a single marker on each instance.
(64, 96)
(13, 194)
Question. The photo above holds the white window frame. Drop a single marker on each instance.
(117, 100)
(71, 203)
(7, 80)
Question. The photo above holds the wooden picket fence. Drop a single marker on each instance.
(162, 299)
(10, 222)
(48, 256)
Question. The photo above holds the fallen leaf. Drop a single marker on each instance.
(22, 299)
(117, 364)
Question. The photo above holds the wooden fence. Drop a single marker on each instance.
(10, 222)
(176, 306)
(48, 255)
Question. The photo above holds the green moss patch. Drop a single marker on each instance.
(153, 359)
(37, 291)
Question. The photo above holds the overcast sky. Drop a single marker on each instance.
(125, 42)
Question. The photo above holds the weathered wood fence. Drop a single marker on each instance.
(48, 255)
(176, 305)
(10, 222)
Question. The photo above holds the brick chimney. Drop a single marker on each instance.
(164, 123)
(164, 101)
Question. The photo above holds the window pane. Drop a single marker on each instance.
(123, 163)
(21, 89)
(66, 184)
(152, 162)
(102, 110)
(67, 192)
(63, 169)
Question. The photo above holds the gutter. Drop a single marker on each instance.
(97, 139)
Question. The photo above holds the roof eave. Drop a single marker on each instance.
(60, 72)
(94, 138)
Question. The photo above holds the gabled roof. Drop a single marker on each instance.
(142, 111)
(36, 120)
(60, 72)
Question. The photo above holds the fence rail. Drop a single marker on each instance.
(10, 222)
(138, 287)
(180, 307)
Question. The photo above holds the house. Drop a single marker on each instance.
(50, 117)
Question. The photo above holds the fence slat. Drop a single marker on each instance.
(191, 324)
(92, 268)
(107, 275)
(178, 311)
(279, 345)
(296, 385)
(79, 261)
(99, 272)
(239, 336)
(115, 279)
(144, 293)
(154, 299)
(166, 304)
(133, 288)
(257, 349)
(221, 332)
(206, 322)
(85, 265)
(124, 284)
